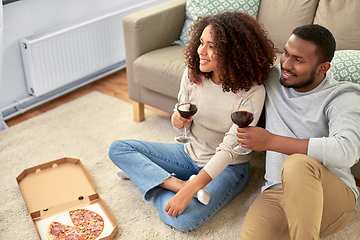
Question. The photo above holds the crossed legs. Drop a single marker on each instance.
(150, 165)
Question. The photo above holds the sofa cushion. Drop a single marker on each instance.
(346, 66)
(342, 18)
(195, 8)
(280, 17)
(161, 70)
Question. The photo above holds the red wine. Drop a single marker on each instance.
(242, 118)
(187, 110)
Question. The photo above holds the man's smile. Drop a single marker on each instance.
(286, 74)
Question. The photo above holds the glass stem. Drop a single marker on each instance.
(185, 131)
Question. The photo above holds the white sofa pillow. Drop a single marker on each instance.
(346, 66)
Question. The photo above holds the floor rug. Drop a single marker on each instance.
(84, 128)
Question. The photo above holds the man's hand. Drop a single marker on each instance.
(254, 138)
(179, 122)
(193, 79)
(260, 139)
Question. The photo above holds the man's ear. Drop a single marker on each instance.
(323, 68)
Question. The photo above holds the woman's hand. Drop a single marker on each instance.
(182, 198)
(179, 202)
(179, 122)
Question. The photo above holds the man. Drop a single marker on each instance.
(312, 139)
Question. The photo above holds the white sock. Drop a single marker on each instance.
(202, 195)
(122, 174)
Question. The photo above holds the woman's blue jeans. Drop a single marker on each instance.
(149, 164)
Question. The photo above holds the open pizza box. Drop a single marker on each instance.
(53, 189)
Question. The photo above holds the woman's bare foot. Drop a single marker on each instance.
(174, 184)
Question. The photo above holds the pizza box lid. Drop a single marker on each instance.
(58, 186)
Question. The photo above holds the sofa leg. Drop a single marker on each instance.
(139, 113)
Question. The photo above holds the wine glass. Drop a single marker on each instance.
(186, 108)
(242, 115)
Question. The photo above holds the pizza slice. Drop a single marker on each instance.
(58, 231)
(88, 225)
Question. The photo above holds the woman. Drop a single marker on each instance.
(232, 54)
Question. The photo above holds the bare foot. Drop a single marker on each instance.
(173, 184)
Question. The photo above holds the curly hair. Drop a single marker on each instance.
(244, 53)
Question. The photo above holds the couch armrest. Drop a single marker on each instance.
(152, 28)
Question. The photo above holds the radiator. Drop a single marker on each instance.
(62, 55)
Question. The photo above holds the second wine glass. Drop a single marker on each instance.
(242, 116)
(186, 108)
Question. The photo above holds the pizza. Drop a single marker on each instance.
(88, 225)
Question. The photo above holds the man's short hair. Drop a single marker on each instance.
(321, 37)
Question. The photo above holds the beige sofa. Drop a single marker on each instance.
(155, 66)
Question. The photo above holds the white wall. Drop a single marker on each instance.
(2, 123)
(28, 17)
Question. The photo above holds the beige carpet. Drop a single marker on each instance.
(84, 129)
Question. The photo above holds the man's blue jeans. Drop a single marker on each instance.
(149, 164)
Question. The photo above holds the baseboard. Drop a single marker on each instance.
(31, 102)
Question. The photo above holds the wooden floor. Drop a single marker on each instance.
(114, 85)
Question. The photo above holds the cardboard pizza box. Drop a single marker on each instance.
(54, 188)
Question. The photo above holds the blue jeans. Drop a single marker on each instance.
(148, 164)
